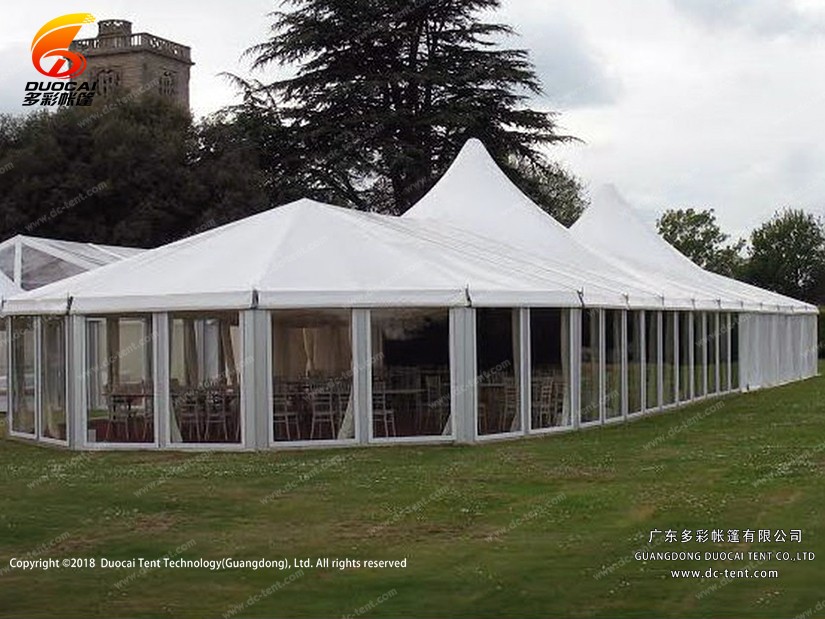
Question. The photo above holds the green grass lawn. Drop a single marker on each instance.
(529, 528)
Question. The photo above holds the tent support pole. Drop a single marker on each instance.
(526, 371)
(160, 377)
(362, 374)
(575, 366)
(624, 353)
(463, 373)
(77, 387)
(255, 405)
(660, 360)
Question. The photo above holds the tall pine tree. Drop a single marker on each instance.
(385, 92)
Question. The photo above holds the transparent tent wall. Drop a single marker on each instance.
(590, 366)
(549, 368)
(635, 359)
(699, 355)
(712, 350)
(312, 375)
(204, 377)
(52, 383)
(669, 358)
(119, 379)
(613, 363)
(410, 372)
(724, 353)
(498, 354)
(4, 365)
(652, 360)
(734, 351)
(41, 268)
(21, 341)
(685, 353)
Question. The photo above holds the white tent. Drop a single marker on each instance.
(475, 315)
(7, 289)
(307, 254)
(613, 229)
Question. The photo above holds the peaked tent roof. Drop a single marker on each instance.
(308, 254)
(476, 195)
(613, 228)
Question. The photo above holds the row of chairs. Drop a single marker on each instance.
(326, 409)
(208, 414)
(130, 408)
(547, 405)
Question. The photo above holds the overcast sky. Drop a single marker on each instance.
(705, 103)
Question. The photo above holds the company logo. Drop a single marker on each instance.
(50, 46)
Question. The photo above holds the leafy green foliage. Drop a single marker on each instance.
(385, 92)
(558, 192)
(138, 173)
(696, 234)
(788, 255)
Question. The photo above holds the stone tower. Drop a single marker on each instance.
(120, 61)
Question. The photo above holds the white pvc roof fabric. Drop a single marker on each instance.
(609, 244)
(308, 254)
(474, 239)
(612, 228)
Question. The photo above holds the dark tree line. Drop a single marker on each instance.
(140, 175)
(785, 254)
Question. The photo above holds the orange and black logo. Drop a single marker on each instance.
(52, 57)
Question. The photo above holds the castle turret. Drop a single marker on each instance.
(120, 61)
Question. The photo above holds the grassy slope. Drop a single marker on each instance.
(569, 506)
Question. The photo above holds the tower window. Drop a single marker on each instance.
(166, 84)
(108, 81)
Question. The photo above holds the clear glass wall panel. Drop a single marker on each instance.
(685, 349)
(734, 351)
(22, 370)
(497, 362)
(669, 358)
(724, 353)
(699, 354)
(312, 375)
(410, 372)
(613, 363)
(119, 381)
(635, 367)
(713, 344)
(550, 368)
(652, 359)
(204, 377)
(590, 366)
(53, 377)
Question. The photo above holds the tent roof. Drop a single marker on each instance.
(446, 251)
(308, 254)
(7, 287)
(613, 228)
(44, 261)
(475, 194)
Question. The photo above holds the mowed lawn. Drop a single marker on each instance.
(529, 528)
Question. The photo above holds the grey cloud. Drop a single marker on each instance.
(763, 17)
(572, 73)
(17, 72)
